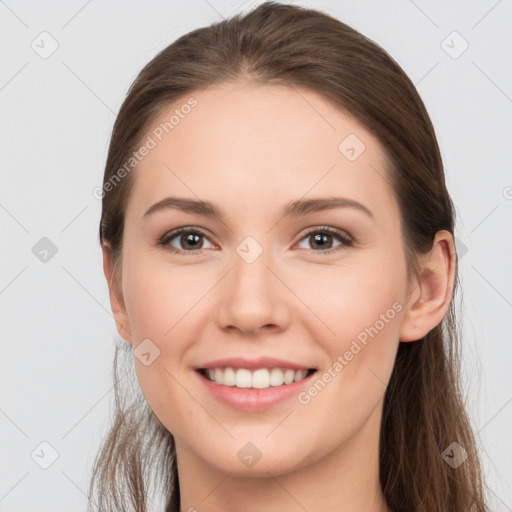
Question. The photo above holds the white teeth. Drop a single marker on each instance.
(289, 376)
(276, 377)
(300, 375)
(229, 377)
(243, 378)
(261, 378)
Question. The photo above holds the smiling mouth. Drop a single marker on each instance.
(261, 378)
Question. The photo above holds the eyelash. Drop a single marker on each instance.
(346, 240)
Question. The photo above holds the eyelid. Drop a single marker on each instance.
(329, 229)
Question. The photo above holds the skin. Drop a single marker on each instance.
(250, 150)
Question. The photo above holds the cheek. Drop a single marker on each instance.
(162, 304)
(357, 310)
(352, 297)
(159, 296)
(363, 317)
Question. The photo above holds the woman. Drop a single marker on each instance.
(278, 242)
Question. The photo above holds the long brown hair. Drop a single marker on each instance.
(424, 409)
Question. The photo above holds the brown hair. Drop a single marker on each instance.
(424, 407)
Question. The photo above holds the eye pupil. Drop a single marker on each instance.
(190, 238)
(320, 238)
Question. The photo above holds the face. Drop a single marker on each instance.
(270, 284)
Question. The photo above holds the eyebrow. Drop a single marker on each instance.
(292, 209)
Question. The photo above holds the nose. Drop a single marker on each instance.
(253, 297)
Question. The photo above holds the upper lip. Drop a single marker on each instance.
(260, 362)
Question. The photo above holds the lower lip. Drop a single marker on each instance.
(250, 399)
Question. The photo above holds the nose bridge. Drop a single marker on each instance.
(252, 268)
(252, 296)
(251, 274)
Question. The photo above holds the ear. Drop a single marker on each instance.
(116, 295)
(431, 291)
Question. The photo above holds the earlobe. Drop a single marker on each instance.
(432, 291)
(116, 295)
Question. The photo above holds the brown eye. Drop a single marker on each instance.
(188, 240)
(321, 239)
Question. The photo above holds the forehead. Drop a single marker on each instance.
(242, 143)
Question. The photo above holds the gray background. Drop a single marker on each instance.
(57, 114)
